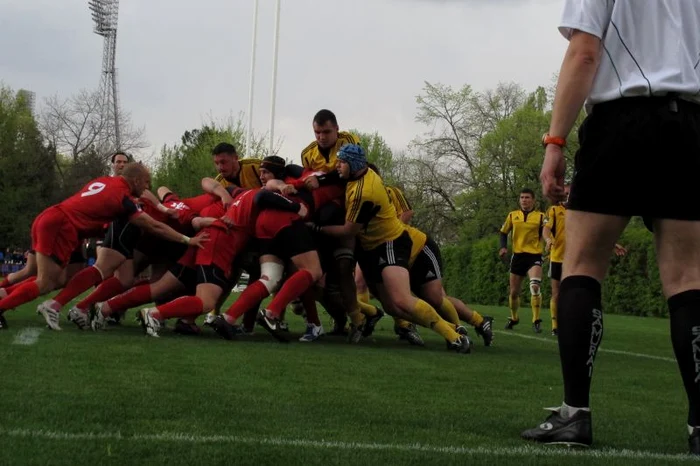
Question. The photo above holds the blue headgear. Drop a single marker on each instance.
(354, 155)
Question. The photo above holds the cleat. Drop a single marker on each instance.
(209, 319)
(51, 315)
(371, 323)
(694, 442)
(272, 325)
(98, 320)
(555, 332)
(485, 330)
(355, 332)
(510, 323)
(186, 328)
(284, 326)
(3, 322)
(409, 334)
(537, 326)
(461, 330)
(149, 324)
(461, 345)
(79, 318)
(223, 328)
(558, 429)
(313, 333)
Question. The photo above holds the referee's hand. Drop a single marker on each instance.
(552, 174)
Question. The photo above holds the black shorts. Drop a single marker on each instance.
(214, 275)
(122, 237)
(290, 241)
(186, 275)
(391, 253)
(638, 156)
(522, 262)
(427, 266)
(555, 271)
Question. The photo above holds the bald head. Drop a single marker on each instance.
(138, 177)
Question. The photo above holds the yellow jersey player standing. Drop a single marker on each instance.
(526, 225)
(392, 255)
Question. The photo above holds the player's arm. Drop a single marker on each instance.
(211, 186)
(402, 203)
(349, 230)
(148, 196)
(357, 216)
(161, 230)
(199, 223)
(505, 229)
(548, 230)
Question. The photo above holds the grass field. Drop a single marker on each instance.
(119, 397)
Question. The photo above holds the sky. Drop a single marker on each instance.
(183, 63)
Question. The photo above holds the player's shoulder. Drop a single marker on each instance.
(309, 148)
(255, 163)
(347, 137)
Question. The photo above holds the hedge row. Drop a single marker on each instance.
(474, 273)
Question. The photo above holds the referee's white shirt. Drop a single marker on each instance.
(651, 47)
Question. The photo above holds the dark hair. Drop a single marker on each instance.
(224, 148)
(275, 165)
(114, 156)
(323, 116)
(528, 191)
(374, 168)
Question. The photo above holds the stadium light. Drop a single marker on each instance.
(275, 49)
(249, 136)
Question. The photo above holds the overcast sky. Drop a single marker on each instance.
(183, 62)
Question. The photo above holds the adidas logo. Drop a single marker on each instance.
(430, 274)
(382, 261)
(546, 426)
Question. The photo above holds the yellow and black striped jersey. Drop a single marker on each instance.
(527, 230)
(248, 177)
(313, 159)
(367, 202)
(398, 200)
(555, 221)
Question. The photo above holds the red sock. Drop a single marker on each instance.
(136, 296)
(309, 301)
(5, 283)
(294, 287)
(81, 282)
(249, 299)
(28, 291)
(107, 289)
(11, 288)
(185, 306)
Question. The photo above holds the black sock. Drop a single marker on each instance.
(684, 310)
(580, 334)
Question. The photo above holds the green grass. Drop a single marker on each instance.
(119, 397)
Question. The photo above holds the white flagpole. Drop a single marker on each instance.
(249, 135)
(275, 49)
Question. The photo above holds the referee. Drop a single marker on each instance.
(634, 64)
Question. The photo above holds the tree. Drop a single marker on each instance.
(27, 175)
(78, 124)
(181, 167)
(379, 153)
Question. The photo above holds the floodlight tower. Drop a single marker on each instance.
(105, 14)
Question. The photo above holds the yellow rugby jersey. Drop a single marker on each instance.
(367, 203)
(555, 221)
(248, 177)
(398, 200)
(312, 158)
(527, 230)
(419, 239)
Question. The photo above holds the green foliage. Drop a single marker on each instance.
(378, 153)
(27, 175)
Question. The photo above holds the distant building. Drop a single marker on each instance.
(29, 97)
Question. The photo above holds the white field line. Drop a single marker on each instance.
(600, 350)
(27, 336)
(527, 450)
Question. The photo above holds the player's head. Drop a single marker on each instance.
(325, 128)
(351, 161)
(138, 177)
(226, 160)
(119, 159)
(272, 168)
(526, 199)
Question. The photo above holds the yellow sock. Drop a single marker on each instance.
(476, 320)
(514, 304)
(356, 316)
(428, 317)
(367, 309)
(401, 323)
(363, 297)
(536, 303)
(448, 312)
(553, 311)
